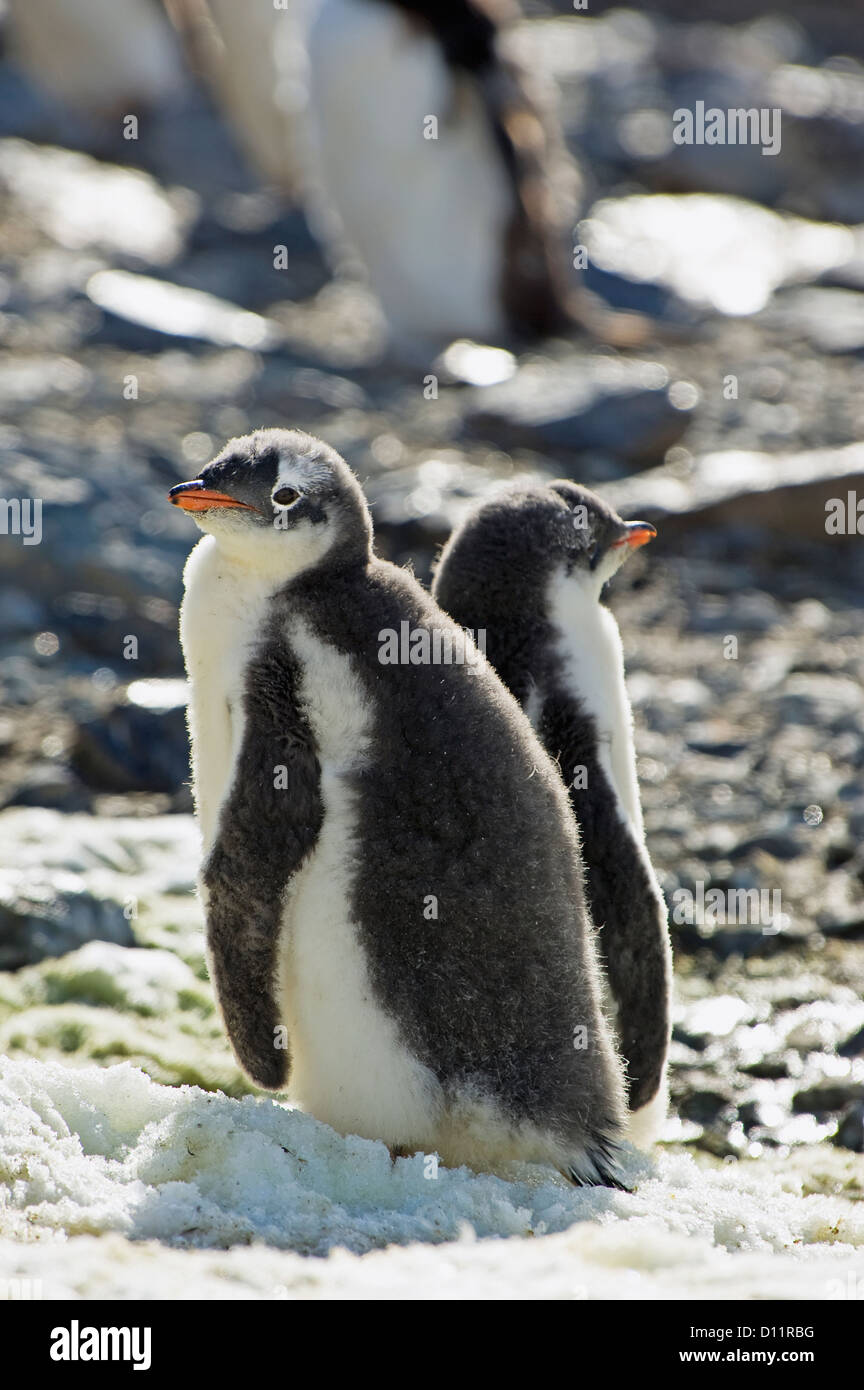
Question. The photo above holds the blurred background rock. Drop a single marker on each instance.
(161, 293)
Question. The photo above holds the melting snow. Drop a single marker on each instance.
(116, 1186)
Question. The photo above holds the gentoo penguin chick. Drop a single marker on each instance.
(529, 566)
(391, 872)
(435, 157)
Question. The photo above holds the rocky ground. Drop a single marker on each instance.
(729, 420)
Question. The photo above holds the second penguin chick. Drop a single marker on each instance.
(529, 567)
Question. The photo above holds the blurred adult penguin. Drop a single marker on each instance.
(252, 53)
(99, 57)
(432, 151)
(104, 58)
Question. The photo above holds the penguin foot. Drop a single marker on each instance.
(598, 1168)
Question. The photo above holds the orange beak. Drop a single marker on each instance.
(195, 497)
(638, 533)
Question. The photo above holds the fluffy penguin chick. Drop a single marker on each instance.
(391, 872)
(529, 567)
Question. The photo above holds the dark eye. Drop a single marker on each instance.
(285, 496)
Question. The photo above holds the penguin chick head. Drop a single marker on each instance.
(280, 501)
(601, 539)
(528, 533)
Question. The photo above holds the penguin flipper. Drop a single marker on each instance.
(268, 825)
(626, 905)
(635, 945)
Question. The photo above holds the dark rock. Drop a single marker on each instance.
(839, 854)
(186, 143)
(697, 1041)
(717, 1142)
(823, 147)
(130, 747)
(19, 680)
(589, 405)
(737, 613)
(244, 259)
(626, 89)
(39, 919)
(777, 844)
(853, 1046)
(300, 393)
(50, 784)
(845, 926)
(784, 492)
(717, 750)
(724, 168)
(623, 293)
(32, 114)
(827, 1096)
(726, 941)
(751, 1115)
(850, 1131)
(822, 701)
(99, 624)
(768, 1068)
(20, 612)
(100, 574)
(704, 1107)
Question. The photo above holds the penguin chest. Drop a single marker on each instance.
(221, 621)
(589, 645)
(350, 1067)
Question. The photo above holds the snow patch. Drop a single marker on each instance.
(177, 1179)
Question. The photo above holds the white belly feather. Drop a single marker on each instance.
(349, 1067)
(220, 622)
(590, 645)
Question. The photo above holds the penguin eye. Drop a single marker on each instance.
(286, 496)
